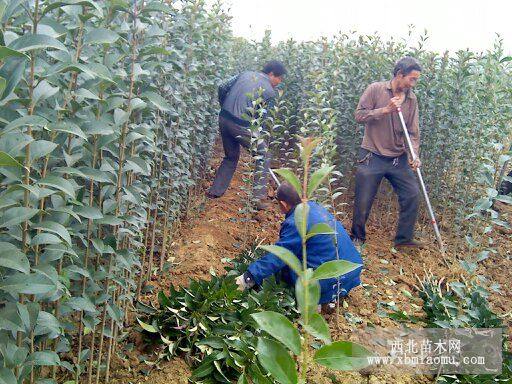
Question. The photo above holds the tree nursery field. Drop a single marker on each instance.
(115, 267)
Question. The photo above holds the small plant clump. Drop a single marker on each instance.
(459, 304)
(210, 322)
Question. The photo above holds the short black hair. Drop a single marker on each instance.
(276, 67)
(406, 65)
(287, 193)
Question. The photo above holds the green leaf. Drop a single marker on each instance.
(47, 323)
(308, 145)
(307, 304)
(11, 257)
(7, 160)
(203, 370)
(147, 327)
(279, 327)
(86, 94)
(92, 213)
(94, 70)
(120, 116)
(242, 379)
(45, 238)
(43, 358)
(101, 36)
(59, 183)
(96, 174)
(24, 121)
(71, 128)
(11, 319)
(51, 226)
(29, 42)
(277, 361)
(334, 268)
(286, 256)
(7, 376)
(33, 284)
(17, 215)
(157, 100)
(291, 178)
(3, 85)
(219, 370)
(318, 328)
(12, 71)
(343, 356)
(81, 304)
(157, 7)
(301, 215)
(214, 342)
(41, 148)
(137, 103)
(59, 4)
(320, 229)
(8, 52)
(43, 91)
(317, 178)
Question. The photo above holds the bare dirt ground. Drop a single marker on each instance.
(214, 232)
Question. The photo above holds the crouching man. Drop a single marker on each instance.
(319, 248)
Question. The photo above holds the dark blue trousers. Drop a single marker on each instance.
(371, 170)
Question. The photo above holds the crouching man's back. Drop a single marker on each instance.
(320, 249)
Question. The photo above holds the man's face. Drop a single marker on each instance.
(409, 81)
(284, 207)
(275, 80)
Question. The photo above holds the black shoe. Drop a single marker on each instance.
(410, 244)
(211, 195)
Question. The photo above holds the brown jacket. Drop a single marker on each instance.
(383, 133)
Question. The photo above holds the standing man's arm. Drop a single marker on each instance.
(366, 110)
(413, 127)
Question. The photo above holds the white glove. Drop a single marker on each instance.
(241, 283)
(244, 282)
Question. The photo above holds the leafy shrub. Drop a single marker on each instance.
(459, 304)
(107, 120)
(211, 323)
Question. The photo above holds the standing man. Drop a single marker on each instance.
(234, 128)
(383, 151)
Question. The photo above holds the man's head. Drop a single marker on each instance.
(407, 72)
(275, 71)
(287, 197)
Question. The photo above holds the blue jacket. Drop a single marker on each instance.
(320, 249)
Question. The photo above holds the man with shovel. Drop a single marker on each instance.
(383, 152)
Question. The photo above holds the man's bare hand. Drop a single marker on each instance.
(415, 164)
(394, 104)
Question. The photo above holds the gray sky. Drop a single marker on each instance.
(451, 24)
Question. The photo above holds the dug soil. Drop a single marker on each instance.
(217, 230)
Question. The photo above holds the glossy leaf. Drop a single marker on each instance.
(279, 327)
(290, 177)
(343, 356)
(334, 268)
(286, 256)
(317, 178)
(318, 327)
(276, 359)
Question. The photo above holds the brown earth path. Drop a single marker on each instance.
(215, 232)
